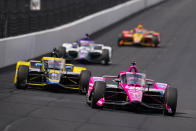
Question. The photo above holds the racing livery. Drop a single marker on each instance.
(87, 50)
(132, 90)
(50, 72)
(139, 36)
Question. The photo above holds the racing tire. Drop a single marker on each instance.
(61, 52)
(106, 56)
(98, 93)
(84, 81)
(155, 41)
(170, 98)
(22, 76)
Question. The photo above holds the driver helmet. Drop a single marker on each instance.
(86, 37)
(140, 26)
(54, 53)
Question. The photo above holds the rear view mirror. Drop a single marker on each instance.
(116, 80)
(69, 68)
(150, 82)
(39, 64)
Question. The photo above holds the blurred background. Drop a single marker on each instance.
(24, 16)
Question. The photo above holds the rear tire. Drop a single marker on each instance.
(84, 81)
(22, 76)
(170, 100)
(98, 93)
(106, 56)
(61, 52)
(155, 41)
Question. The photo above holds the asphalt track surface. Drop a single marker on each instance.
(173, 62)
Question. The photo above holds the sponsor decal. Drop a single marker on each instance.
(35, 5)
(133, 87)
(90, 84)
(98, 79)
(135, 95)
(101, 102)
(161, 85)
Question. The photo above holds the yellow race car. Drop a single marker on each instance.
(51, 72)
(139, 36)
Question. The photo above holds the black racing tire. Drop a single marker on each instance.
(155, 41)
(22, 76)
(84, 81)
(98, 93)
(106, 56)
(61, 52)
(170, 98)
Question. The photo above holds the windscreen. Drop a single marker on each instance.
(139, 31)
(84, 43)
(53, 64)
(133, 79)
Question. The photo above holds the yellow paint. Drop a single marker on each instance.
(52, 58)
(69, 64)
(54, 71)
(72, 81)
(33, 84)
(35, 61)
(137, 38)
(35, 77)
(128, 43)
(53, 80)
(127, 98)
(148, 44)
(77, 69)
(72, 88)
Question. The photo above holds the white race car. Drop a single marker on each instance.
(86, 50)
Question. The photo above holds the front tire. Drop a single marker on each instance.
(84, 81)
(22, 76)
(98, 93)
(170, 100)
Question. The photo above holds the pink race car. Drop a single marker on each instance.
(132, 89)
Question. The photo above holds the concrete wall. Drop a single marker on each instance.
(32, 45)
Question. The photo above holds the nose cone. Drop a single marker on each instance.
(83, 53)
(50, 81)
(137, 38)
(135, 94)
(54, 77)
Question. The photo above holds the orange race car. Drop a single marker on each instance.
(139, 36)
